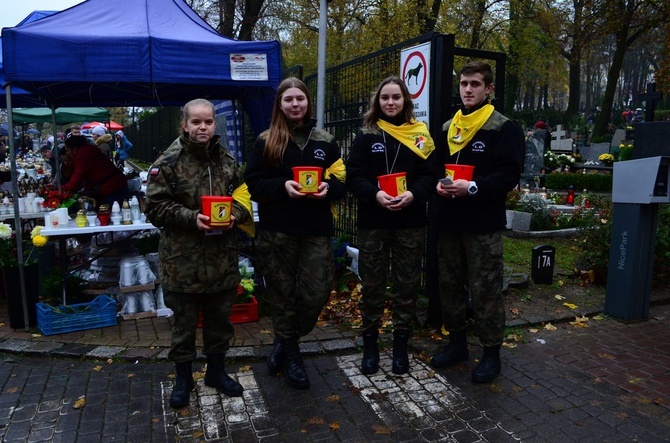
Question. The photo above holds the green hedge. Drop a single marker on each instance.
(591, 182)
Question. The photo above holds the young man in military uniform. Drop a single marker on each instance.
(471, 218)
(199, 264)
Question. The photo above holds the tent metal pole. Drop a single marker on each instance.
(55, 173)
(17, 214)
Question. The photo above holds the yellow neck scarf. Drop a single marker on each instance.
(414, 135)
(242, 196)
(464, 127)
(338, 171)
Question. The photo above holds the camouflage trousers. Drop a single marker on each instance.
(474, 261)
(403, 251)
(217, 330)
(298, 274)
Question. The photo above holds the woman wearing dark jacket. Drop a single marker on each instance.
(295, 230)
(93, 173)
(390, 229)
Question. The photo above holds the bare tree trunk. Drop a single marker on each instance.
(252, 11)
(226, 17)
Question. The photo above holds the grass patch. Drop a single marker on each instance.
(518, 252)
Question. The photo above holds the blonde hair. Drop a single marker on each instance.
(192, 103)
(278, 135)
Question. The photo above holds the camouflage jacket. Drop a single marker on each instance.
(191, 261)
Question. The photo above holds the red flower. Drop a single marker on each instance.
(53, 203)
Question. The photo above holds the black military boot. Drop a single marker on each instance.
(455, 352)
(489, 365)
(216, 376)
(183, 385)
(400, 359)
(275, 359)
(294, 369)
(370, 362)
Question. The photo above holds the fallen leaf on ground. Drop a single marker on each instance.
(509, 345)
(12, 390)
(334, 426)
(549, 327)
(382, 430)
(606, 356)
(110, 361)
(514, 311)
(34, 335)
(636, 380)
(580, 322)
(533, 330)
(559, 297)
(246, 368)
(598, 317)
(315, 421)
(570, 305)
(80, 403)
(266, 331)
(333, 398)
(514, 337)
(97, 368)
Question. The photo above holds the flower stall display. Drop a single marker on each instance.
(54, 199)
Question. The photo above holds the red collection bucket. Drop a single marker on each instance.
(309, 178)
(393, 184)
(456, 172)
(218, 208)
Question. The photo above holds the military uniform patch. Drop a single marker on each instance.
(153, 172)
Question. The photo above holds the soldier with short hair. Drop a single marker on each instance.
(199, 264)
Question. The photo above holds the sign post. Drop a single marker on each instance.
(542, 268)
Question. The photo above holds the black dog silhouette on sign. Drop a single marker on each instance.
(414, 72)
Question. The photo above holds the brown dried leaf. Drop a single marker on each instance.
(549, 327)
(334, 426)
(110, 361)
(246, 368)
(131, 375)
(382, 430)
(514, 311)
(97, 368)
(80, 403)
(12, 390)
(266, 331)
(333, 398)
(607, 356)
(315, 421)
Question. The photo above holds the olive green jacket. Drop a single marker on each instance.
(191, 261)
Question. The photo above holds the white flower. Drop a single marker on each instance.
(36, 231)
(5, 231)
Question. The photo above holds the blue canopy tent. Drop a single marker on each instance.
(137, 53)
(22, 98)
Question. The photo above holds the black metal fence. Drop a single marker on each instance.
(154, 134)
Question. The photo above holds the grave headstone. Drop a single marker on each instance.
(534, 158)
(559, 142)
(593, 151)
(652, 139)
(618, 137)
(542, 268)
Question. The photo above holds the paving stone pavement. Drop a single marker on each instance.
(608, 381)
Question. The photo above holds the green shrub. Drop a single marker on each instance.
(625, 153)
(592, 182)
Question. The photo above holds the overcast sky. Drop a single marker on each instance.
(13, 11)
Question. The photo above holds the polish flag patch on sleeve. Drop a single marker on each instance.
(154, 171)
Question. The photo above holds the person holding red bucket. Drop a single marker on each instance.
(198, 257)
(391, 170)
(295, 173)
(471, 219)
